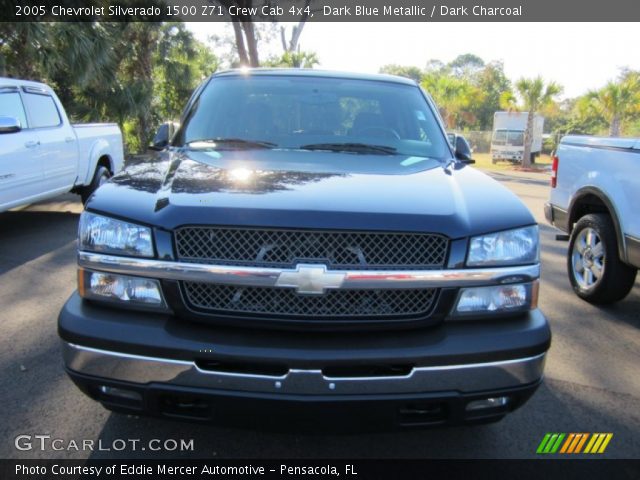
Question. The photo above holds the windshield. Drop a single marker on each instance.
(313, 113)
(513, 138)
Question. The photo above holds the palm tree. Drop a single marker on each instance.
(535, 95)
(615, 102)
(180, 63)
(21, 47)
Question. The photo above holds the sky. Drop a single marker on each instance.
(579, 56)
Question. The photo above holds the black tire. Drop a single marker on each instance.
(101, 175)
(596, 273)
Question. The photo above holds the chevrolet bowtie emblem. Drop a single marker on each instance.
(310, 279)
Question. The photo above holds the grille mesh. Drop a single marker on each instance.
(286, 248)
(226, 299)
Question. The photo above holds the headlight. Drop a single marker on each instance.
(108, 235)
(510, 247)
(123, 289)
(498, 298)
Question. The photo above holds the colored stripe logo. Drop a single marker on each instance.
(573, 443)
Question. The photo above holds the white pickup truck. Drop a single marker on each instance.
(595, 197)
(42, 155)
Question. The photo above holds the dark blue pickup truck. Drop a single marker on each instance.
(307, 246)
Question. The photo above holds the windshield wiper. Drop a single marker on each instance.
(351, 147)
(233, 143)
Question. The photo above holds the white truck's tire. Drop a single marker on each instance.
(101, 176)
(596, 273)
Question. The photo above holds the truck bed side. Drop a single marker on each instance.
(606, 168)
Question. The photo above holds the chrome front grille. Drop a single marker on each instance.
(285, 302)
(338, 250)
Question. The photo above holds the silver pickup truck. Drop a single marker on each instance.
(595, 191)
(42, 155)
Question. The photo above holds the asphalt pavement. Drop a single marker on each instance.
(592, 374)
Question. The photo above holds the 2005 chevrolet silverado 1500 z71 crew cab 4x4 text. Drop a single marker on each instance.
(308, 246)
(42, 155)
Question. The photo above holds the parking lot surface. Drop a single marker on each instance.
(592, 382)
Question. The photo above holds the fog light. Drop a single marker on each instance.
(120, 393)
(493, 402)
(499, 298)
(120, 288)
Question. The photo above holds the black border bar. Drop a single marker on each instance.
(321, 10)
(355, 469)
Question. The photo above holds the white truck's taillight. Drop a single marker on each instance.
(554, 171)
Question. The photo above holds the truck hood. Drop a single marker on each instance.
(305, 189)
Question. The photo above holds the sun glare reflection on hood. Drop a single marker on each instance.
(241, 175)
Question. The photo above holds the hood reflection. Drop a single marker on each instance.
(193, 177)
(183, 175)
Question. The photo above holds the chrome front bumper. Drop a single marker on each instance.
(466, 378)
(279, 277)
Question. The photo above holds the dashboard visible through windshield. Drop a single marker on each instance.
(313, 113)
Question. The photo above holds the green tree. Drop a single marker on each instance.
(137, 71)
(21, 49)
(493, 83)
(616, 103)
(403, 71)
(480, 86)
(466, 65)
(80, 63)
(297, 59)
(180, 63)
(534, 94)
(131, 73)
(454, 96)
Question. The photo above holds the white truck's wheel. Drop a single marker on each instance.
(101, 176)
(596, 272)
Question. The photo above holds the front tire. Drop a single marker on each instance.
(101, 176)
(596, 273)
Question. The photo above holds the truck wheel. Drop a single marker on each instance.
(596, 273)
(101, 176)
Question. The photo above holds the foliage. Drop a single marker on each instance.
(180, 63)
(493, 83)
(454, 96)
(140, 74)
(534, 94)
(411, 72)
(137, 74)
(466, 65)
(20, 44)
(617, 103)
(297, 59)
(467, 90)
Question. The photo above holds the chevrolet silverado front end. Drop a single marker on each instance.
(307, 247)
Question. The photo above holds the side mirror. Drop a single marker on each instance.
(452, 139)
(9, 125)
(163, 136)
(463, 150)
